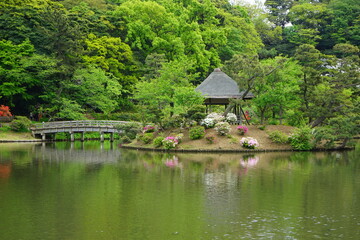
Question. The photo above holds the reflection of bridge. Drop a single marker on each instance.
(101, 126)
(77, 155)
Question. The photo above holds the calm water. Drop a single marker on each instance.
(98, 191)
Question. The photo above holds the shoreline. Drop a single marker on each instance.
(233, 150)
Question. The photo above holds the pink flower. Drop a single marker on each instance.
(174, 162)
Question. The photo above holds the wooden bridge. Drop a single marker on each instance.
(72, 127)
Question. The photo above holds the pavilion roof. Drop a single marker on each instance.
(220, 85)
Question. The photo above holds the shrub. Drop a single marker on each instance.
(125, 139)
(158, 141)
(210, 139)
(278, 137)
(196, 132)
(231, 118)
(20, 124)
(301, 138)
(179, 137)
(170, 142)
(196, 113)
(262, 127)
(232, 139)
(146, 137)
(208, 123)
(148, 129)
(222, 128)
(242, 130)
(129, 129)
(211, 119)
(175, 121)
(249, 142)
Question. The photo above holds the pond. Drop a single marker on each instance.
(96, 190)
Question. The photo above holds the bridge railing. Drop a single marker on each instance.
(82, 123)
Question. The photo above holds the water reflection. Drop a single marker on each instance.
(99, 191)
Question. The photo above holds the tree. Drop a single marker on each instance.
(92, 88)
(279, 90)
(279, 11)
(308, 19)
(113, 56)
(170, 93)
(329, 84)
(248, 71)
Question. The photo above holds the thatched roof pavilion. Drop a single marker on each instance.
(218, 88)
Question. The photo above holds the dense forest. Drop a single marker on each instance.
(141, 60)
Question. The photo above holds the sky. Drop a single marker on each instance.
(250, 1)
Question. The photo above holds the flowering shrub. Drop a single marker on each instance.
(196, 132)
(210, 139)
(179, 137)
(170, 142)
(208, 122)
(148, 129)
(222, 128)
(231, 118)
(242, 130)
(216, 116)
(249, 142)
(211, 119)
(5, 111)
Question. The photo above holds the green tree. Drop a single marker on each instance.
(279, 11)
(170, 93)
(279, 90)
(113, 56)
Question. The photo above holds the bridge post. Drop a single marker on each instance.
(43, 136)
(111, 137)
(72, 137)
(101, 136)
(83, 136)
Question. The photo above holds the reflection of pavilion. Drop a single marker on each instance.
(78, 155)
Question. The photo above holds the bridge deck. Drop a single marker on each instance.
(102, 126)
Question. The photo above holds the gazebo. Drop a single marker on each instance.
(218, 88)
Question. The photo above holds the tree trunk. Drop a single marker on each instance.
(317, 121)
(229, 108)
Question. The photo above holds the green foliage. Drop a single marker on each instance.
(158, 141)
(69, 110)
(341, 129)
(62, 136)
(129, 129)
(95, 89)
(262, 127)
(278, 137)
(20, 124)
(197, 132)
(125, 139)
(174, 121)
(196, 113)
(4, 128)
(301, 138)
(146, 137)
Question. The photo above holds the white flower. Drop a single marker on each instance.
(231, 118)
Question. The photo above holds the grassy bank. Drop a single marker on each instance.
(229, 142)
